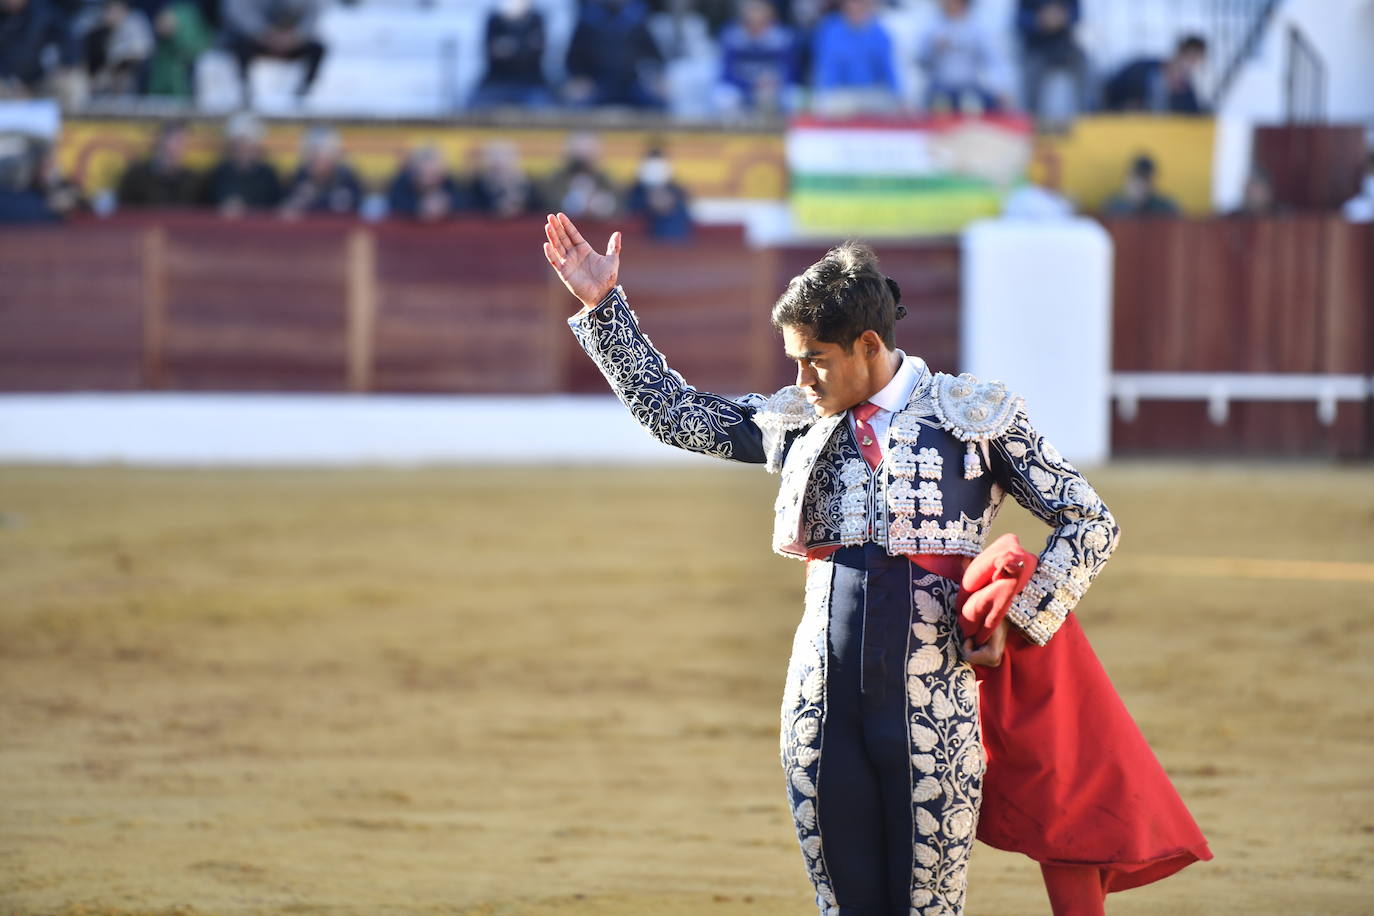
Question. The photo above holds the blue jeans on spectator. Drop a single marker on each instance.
(1039, 64)
(955, 98)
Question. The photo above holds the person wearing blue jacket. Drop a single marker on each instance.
(852, 60)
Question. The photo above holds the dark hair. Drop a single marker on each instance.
(841, 296)
(1192, 43)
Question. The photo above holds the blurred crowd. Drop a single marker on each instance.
(425, 188)
(828, 56)
(77, 49)
(428, 188)
(833, 57)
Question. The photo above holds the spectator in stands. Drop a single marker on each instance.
(580, 188)
(958, 59)
(63, 196)
(243, 179)
(324, 184)
(515, 58)
(284, 29)
(1138, 197)
(117, 49)
(690, 62)
(182, 35)
(613, 59)
(1360, 208)
(659, 200)
(852, 65)
(1258, 198)
(161, 180)
(500, 186)
(717, 13)
(803, 17)
(20, 199)
(424, 189)
(1150, 84)
(680, 32)
(1048, 46)
(31, 31)
(759, 63)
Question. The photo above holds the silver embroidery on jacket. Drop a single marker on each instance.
(973, 411)
(1084, 536)
(659, 399)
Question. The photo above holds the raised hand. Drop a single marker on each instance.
(588, 275)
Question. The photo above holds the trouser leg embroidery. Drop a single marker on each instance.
(803, 720)
(880, 740)
(946, 752)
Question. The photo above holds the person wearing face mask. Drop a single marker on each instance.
(659, 200)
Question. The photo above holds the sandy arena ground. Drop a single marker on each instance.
(550, 691)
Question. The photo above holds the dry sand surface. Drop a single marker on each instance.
(555, 691)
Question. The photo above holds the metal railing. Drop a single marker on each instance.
(1304, 93)
(1237, 27)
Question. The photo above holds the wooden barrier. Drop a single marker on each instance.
(72, 309)
(191, 302)
(1283, 296)
(1312, 166)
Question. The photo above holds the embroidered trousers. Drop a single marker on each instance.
(880, 739)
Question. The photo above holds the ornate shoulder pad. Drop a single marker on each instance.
(783, 412)
(973, 411)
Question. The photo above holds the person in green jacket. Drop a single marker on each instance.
(182, 34)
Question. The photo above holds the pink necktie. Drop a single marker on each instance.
(868, 440)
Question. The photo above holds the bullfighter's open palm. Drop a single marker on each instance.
(588, 275)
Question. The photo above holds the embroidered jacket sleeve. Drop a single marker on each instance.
(663, 403)
(1084, 536)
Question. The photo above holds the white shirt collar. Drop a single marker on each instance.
(896, 393)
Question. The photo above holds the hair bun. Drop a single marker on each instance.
(896, 296)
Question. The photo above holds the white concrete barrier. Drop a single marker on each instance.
(324, 429)
(1037, 314)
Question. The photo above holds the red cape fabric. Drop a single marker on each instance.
(989, 583)
(1070, 778)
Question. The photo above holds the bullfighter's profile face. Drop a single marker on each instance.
(832, 378)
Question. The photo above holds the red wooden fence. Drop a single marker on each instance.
(1253, 296)
(191, 302)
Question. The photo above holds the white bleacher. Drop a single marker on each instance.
(394, 60)
(400, 58)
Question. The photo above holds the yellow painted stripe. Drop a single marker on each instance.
(1258, 568)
